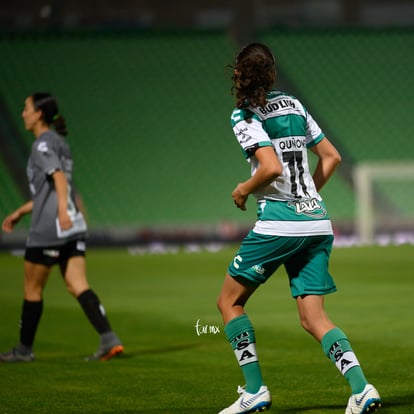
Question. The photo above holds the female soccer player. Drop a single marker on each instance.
(57, 231)
(293, 227)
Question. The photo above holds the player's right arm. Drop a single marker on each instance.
(12, 219)
(329, 158)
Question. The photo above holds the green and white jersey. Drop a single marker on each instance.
(50, 153)
(290, 205)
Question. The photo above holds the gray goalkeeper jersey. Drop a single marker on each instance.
(51, 153)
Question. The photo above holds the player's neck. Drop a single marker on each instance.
(40, 129)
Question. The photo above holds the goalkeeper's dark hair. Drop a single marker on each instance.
(47, 103)
(254, 75)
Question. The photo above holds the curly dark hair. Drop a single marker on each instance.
(254, 75)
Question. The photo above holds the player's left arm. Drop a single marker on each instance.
(329, 159)
(269, 168)
(61, 187)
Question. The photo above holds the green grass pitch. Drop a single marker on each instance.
(154, 302)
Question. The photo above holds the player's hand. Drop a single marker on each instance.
(10, 221)
(65, 222)
(240, 197)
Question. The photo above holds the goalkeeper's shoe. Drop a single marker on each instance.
(16, 356)
(104, 353)
(368, 401)
(250, 403)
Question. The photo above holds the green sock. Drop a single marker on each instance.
(240, 334)
(337, 348)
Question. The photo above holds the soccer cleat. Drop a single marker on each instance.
(250, 403)
(368, 401)
(104, 353)
(15, 356)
